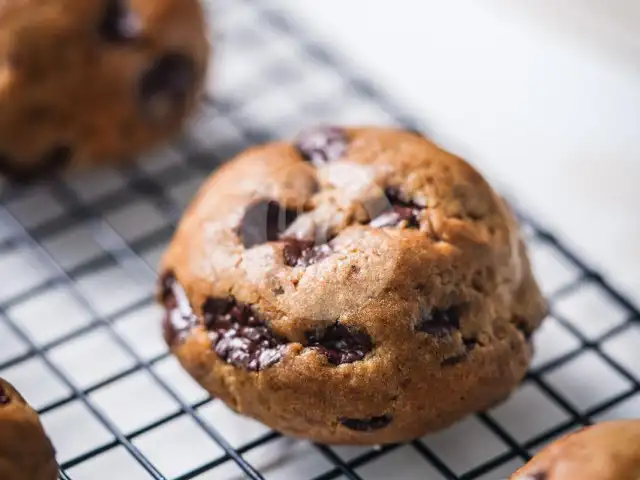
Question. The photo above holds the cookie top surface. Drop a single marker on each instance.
(606, 451)
(25, 451)
(95, 81)
(315, 231)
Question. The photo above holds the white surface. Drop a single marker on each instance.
(543, 96)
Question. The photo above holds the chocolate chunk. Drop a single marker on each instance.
(470, 343)
(536, 476)
(304, 253)
(179, 317)
(166, 283)
(119, 23)
(51, 162)
(366, 424)
(264, 221)
(239, 336)
(399, 211)
(340, 344)
(322, 145)
(439, 322)
(4, 396)
(165, 86)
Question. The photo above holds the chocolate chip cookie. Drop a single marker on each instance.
(357, 285)
(607, 451)
(25, 450)
(94, 81)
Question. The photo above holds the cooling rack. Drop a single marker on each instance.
(79, 330)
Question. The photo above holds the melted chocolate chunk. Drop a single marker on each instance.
(536, 476)
(179, 317)
(166, 289)
(366, 424)
(322, 145)
(304, 253)
(119, 23)
(340, 344)
(399, 211)
(4, 396)
(166, 85)
(264, 221)
(51, 162)
(439, 322)
(239, 336)
(470, 343)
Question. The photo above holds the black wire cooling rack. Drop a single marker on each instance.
(79, 332)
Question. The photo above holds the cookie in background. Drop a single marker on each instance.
(606, 451)
(85, 83)
(25, 451)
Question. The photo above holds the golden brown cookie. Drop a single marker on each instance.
(93, 81)
(355, 286)
(607, 451)
(25, 450)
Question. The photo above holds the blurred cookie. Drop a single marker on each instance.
(607, 451)
(85, 82)
(359, 285)
(25, 450)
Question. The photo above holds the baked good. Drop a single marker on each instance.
(25, 450)
(606, 451)
(94, 81)
(359, 285)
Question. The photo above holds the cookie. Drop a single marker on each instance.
(607, 451)
(90, 82)
(357, 285)
(25, 450)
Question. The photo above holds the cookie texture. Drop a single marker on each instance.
(606, 451)
(86, 82)
(25, 450)
(357, 285)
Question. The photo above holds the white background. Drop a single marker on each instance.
(543, 96)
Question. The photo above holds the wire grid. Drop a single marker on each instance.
(79, 331)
